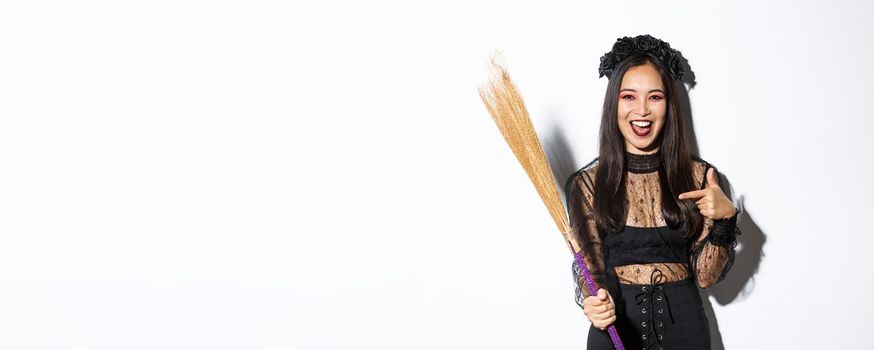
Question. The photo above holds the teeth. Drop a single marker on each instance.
(641, 124)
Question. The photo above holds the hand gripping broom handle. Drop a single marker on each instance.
(593, 290)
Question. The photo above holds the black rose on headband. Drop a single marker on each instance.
(623, 46)
(607, 62)
(646, 42)
(676, 66)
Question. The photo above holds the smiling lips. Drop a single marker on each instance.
(641, 127)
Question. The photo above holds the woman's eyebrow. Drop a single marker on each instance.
(653, 90)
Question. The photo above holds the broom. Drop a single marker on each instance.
(506, 107)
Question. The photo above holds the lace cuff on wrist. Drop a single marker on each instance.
(724, 231)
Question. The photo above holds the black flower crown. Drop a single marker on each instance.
(646, 44)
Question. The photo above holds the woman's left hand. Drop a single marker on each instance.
(712, 203)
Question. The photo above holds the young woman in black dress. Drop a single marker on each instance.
(654, 221)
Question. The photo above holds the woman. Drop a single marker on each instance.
(655, 225)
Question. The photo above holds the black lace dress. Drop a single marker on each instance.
(650, 269)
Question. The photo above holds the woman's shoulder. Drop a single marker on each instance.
(699, 169)
(586, 173)
(589, 169)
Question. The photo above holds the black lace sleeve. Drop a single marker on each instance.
(712, 256)
(579, 193)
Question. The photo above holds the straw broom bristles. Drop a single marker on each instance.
(507, 109)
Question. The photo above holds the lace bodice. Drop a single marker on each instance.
(646, 247)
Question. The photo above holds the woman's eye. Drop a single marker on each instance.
(657, 98)
(624, 97)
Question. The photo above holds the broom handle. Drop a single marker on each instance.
(593, 290)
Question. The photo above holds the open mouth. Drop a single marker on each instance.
(641, 127)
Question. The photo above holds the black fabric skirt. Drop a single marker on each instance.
(666, 316)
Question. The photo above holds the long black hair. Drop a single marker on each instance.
(675, 172)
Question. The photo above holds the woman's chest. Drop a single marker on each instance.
(644, 200)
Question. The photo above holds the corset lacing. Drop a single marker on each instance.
(653, 297)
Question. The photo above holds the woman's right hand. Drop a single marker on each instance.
(599, 309)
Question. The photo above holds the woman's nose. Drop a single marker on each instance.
(643, 109)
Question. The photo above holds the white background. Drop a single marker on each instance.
(267, 175)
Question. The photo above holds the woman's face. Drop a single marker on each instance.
(641, 109)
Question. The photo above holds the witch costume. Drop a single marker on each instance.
(652, 272)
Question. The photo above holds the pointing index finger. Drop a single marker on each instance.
(692, 194)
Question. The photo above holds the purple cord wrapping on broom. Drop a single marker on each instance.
(593, 290)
